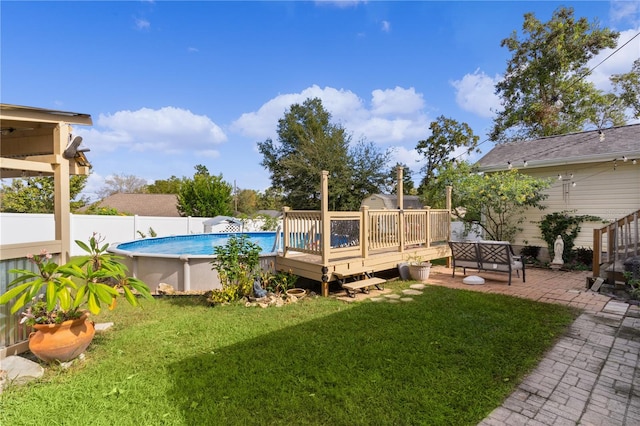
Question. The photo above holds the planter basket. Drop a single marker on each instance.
(420, 271)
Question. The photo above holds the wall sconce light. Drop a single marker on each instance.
(573, 184)
(509, 165)
(559, 176)
(624, 158)
(634, 162)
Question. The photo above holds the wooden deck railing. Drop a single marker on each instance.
(616, 241)
(378, 229)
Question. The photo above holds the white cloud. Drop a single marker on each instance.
(340, 3)
(142, 24)
(619, 63)
(625, 10)
(386, 26)
(169, 130)
(475, 93)
(95, 182)
(396, 101)
(396, 115)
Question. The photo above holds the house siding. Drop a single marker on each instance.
(600, 190)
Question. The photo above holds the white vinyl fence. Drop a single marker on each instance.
(23, 227)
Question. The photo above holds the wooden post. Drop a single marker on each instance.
(326, 227)
(400, 194)
(449, 206)
(597, 250)
(364, 232)
(61, 191)
(285, 230)
(399, 188)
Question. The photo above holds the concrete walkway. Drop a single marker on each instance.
(591, 375)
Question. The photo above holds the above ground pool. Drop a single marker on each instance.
(184, 261)
(196, 244)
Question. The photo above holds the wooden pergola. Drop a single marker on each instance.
(32, 143)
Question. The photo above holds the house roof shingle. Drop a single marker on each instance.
(165, 205)
(572, 148)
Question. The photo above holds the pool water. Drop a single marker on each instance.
(196, 244)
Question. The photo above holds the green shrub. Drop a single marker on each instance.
(237, 263)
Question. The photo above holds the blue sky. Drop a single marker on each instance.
(174, 84)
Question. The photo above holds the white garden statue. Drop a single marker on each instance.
(558, 249)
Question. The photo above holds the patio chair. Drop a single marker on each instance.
(498, 256)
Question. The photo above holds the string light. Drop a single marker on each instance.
(624, 158)
(601, 133)
(526, 163)
(509, 165)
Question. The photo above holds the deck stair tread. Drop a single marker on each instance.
(355, 285)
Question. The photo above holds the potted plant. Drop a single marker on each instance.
(419, 269)
(57, 298)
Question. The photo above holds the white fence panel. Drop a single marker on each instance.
(113, 228)
(25, 227)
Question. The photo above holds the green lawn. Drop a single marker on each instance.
(449, 357)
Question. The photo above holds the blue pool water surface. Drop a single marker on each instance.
(197, 244)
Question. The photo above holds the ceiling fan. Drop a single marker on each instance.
(73, 152)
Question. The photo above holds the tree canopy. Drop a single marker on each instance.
(544, 91)
(307, 144)
(126, 184)
(447, 136)
(497, 201)
(36, 194)
(165, 186)
(205, 195)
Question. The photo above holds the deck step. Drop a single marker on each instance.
(355, 285)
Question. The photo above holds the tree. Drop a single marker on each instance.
(368, 174)
(246, 201)
(166, 186)
(447, 136)
(307, 144)
(408, 186)
(204, 195)
(36, 194)
(627, 87)
(449, 173)
(497, 201)
(543, 91)
(270, 199)
(126, 184)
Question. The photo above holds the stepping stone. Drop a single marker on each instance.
(406, 299)
(473, 280)
(103, 326)
(378, 299)
(20, 370)
(615, 307)
(417, 286)
(392, 296)
(394, 301)
(412, 292)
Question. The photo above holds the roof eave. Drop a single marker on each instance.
(599, 158)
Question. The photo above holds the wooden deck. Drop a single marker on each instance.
(311, 266)
(326, 245)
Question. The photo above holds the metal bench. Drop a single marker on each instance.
(496, 256)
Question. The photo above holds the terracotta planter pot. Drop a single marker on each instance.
(297, 292)
(61, 342)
